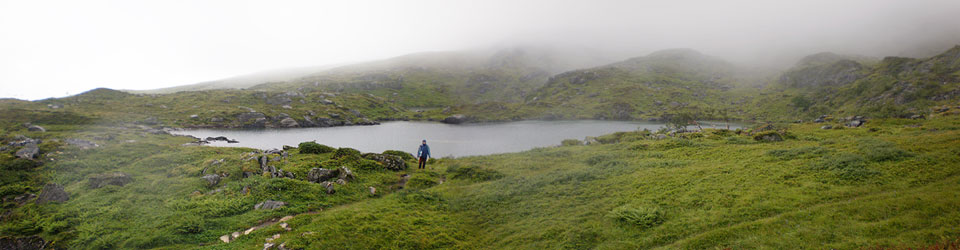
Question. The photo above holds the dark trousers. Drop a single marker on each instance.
(423, 162)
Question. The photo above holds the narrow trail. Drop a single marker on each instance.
(673, 245)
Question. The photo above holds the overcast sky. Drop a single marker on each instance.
(58, 48)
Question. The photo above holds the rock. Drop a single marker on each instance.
(334, 115)
(252, 120)
(367, 122)
(289, 123)
(855, 123)
(267, 246)
(29, 151)
(286, 107)
(116, 179)
(391, 162)
(285, 226)
(212, 179)
(770, 137)
(194, 116)
(345, 173)
(356, 113)
(317, 175)
(225, 238)
(455, 119)
(917, 117)
(216, 119)
(245, 190)
(286, 218)
(590, 140)
(826, 127)
(235, 235)
(341, 182)
(52, 192)
(373, 190)
(326, 102)
(20, 199)
(36, 128)
(329, 186)
(22, 243)
(83, 144)
(269, 204)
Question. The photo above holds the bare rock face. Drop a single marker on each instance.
(116, 179)
(52, 192)
(269, 204)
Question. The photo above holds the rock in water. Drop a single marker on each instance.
(289, 123)
(269, 204)
(36, 128)
(455, 119)
(52, 192)
(116, 179)
(212, 179)
(29, 151)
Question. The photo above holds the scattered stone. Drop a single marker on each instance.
(917, 117)
(285, 226)
(245, 190)
(826, 127)
(373, 190)
(326, 101)
(267, 246)
(286, 107)
(116, 179)
(83, 144)
(225, 238)
(212, 179)
(329, 186)
(235, 235)
(36, 128)
(29, 151)
(391, 162)
(269, 204)
(317, 175)
(286, 218)
(216, 119)
(194, 116)
(341, 182)
(52, 192)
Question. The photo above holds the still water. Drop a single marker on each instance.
(444, 139)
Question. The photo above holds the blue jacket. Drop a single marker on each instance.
(424, 151)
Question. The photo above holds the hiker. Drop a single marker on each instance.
(423, 154)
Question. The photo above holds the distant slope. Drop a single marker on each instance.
(240, 82)
(646, 87)
(439, 79)
(894, 86)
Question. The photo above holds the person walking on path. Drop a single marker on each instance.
(423, 154)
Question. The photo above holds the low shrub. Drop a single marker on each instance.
(879, 150)
(571, 142)
(797, 153)
(341, 152)
(420, 182)
(737, 140)
(473, 173)
(848, 167)
(314, 148)
(643, 217)
(406, 156)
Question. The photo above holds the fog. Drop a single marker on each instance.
(58, 48)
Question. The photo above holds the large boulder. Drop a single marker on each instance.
(455, 119)
(344, 174)
(116, 179)
(252, 120)
(52, 192)
(289, 123)
(318, 175)
(29, 151)
(269, 204)
(36, 128)
(391, 162)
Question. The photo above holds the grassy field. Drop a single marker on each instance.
(883, 185)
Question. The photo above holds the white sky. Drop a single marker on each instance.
(58, 48)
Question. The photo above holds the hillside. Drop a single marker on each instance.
(892, 87)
